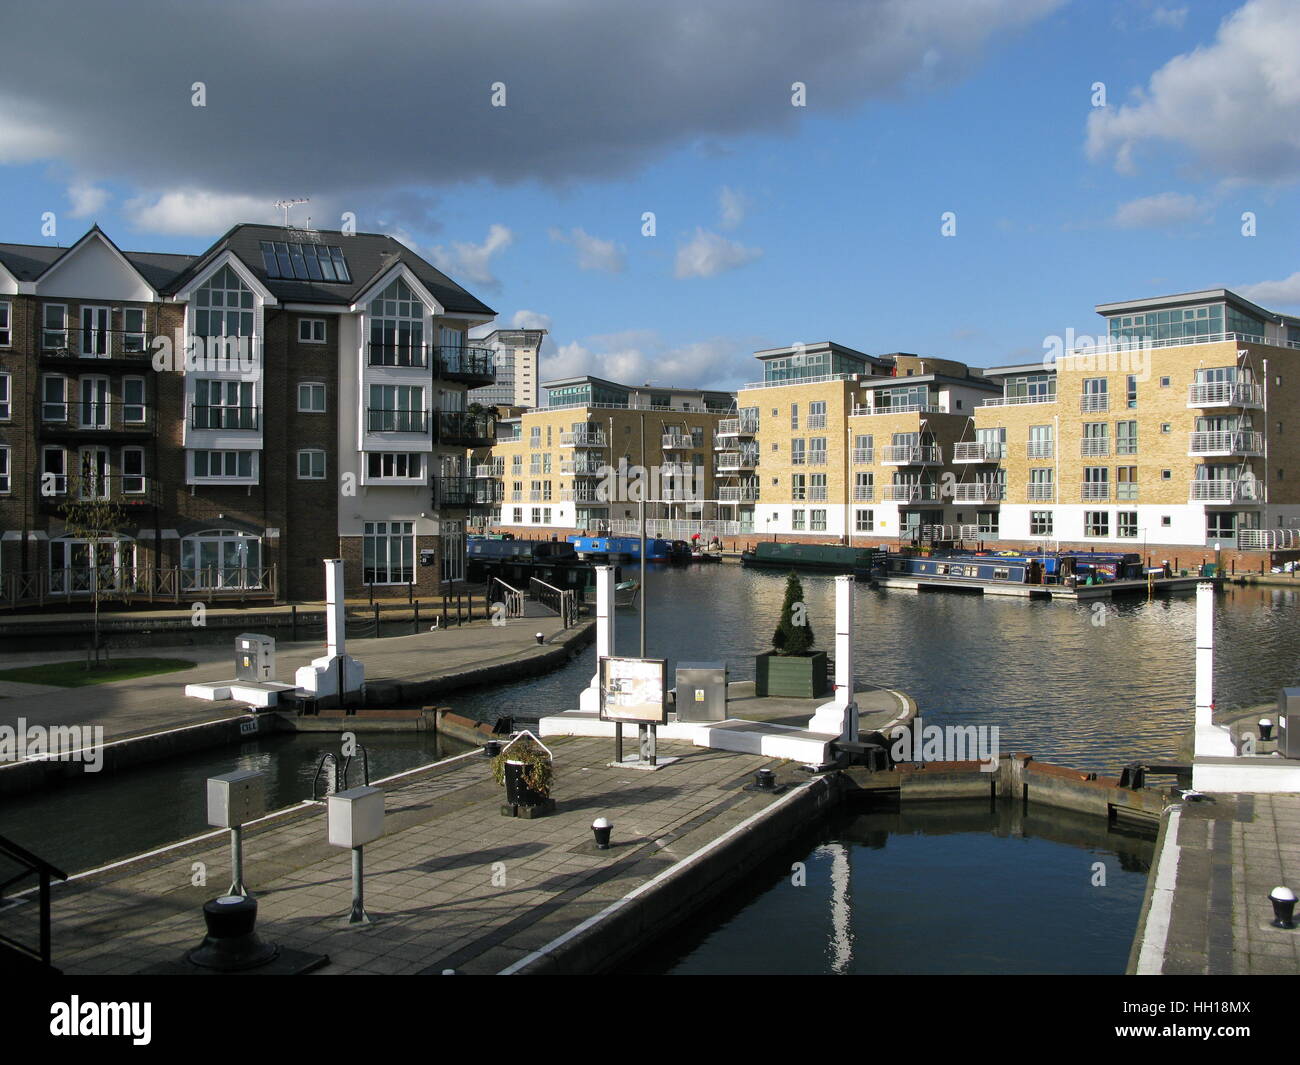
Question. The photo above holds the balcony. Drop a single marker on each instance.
(977, 452)
(129, 493)
(1226, 490)
(1040, 449)
(677, 442)
(912, 455)
(816, 458)
(384, 420)
(1094, 402)
(863, 456)
(979, 492)
(486, 469)
(728, 461)
(1040, 493)
(816, 421)
(473, 366)
(72, 350)
(737, 427)
(466, 429)
(399, 354)
(453, 492)
(102, 419)
(1224, 394)
(583, 468)
(1094, 493)
(223, 418)
(1017, 401)
(488, 492)
(910, 493)
(583, 438)
(864, 493)
(584, 493)
(1094, 447)
(1229, 442)
(901, 408)
(742, 494)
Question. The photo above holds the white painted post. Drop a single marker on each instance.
(840, 715)
(1211, 740)
(335, 626)
(589, 699)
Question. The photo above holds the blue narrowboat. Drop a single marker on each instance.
(603, 547)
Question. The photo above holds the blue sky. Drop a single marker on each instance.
(774, 224)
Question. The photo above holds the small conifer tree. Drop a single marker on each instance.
(794, 634)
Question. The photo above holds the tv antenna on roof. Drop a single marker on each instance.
(284, 206)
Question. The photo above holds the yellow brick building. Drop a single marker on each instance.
(1172, 428)
(558, 466)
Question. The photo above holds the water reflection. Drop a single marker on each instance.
(933, 888)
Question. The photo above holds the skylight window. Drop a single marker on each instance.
(304, 262)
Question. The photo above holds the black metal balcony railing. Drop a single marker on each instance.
(466, 364)
(466, 428)
(110, 417)
(453, 492)
(128, 491)
(384, 420)
(63, 344)
(397, 353)
(221, 417)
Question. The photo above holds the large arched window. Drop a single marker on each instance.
(221, 558)
(397, 327)
(223, 306)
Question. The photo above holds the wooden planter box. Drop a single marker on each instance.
(793, 676)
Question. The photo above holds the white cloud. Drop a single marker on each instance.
(1172, 18)
(733, 205)
(1273, 293)
(86, 199)
(708, 254)
(473, 262)
(530, 320)
(593, 253)
(1156, 212)
(1234, 104)
(641, 356)
(197, 212)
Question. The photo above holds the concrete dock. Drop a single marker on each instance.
(453, 884)
(1206, 910)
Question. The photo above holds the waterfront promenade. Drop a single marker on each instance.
(1207, 911)
(453, 884)
(130, 708)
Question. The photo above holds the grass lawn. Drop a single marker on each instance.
(74, 674)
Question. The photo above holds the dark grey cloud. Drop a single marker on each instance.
(367, 102)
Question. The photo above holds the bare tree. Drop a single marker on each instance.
(98, 522)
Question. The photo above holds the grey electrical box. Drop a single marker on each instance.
(1288, 712)
(254, 657)
(236, 798)
(701, 691)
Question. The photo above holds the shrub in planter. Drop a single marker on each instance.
(792, 668)
(524, 767)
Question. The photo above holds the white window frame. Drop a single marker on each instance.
(59, 484)
(193, 477)
(396, 459)
(6, 394)
(134, 341)
(324, 398)
(309, 475)
(311, 338)
(47, 403)
(141, 475)
(6, 324)
(60, 331)
(6, 485)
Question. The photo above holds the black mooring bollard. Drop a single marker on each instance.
(1283, 900)
(231, 944)
(601, 828)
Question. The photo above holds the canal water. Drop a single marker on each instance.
(1090, 685)
(935, 888)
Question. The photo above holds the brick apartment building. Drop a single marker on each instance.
(285, 396)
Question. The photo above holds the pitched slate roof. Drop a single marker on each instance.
(368, 255)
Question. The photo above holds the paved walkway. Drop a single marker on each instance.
(452, 884)
(1207, 908)
(149, 704)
